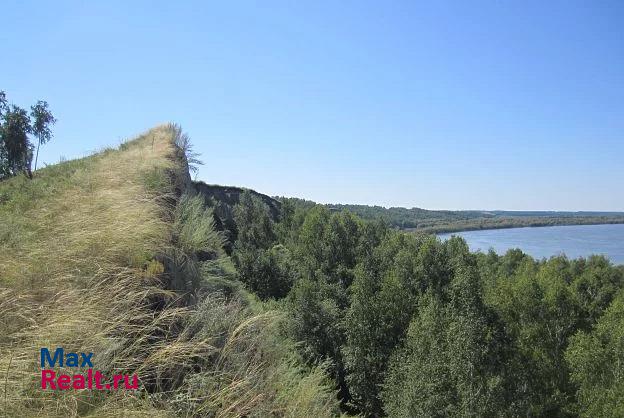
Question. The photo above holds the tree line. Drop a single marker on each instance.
(16, 126)
(414, 326)
(439, 221)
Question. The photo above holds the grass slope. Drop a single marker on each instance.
(99, 255)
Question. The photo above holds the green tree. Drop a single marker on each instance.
(596, 360)
(16, 150)
(383, 299)
(541, 311)
(16, 146)
(42, 118)
(376, 321)
(3, 104)
(316, 319)
(267, 269)
(596, 282)
(454, 359)
(341, 237)
(253, 223)
(328, 245)
(311, 246)
(270, 273)
(4, 158)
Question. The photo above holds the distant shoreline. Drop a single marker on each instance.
(448, 229)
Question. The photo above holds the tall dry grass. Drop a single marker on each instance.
(92, 254)
(74, 275)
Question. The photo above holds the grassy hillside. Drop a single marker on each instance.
(108, 254)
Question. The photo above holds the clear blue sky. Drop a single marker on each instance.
(455, 105)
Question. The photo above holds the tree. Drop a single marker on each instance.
(596, 360)
(382, 303)
(16, 150)
(253, 223)
(3, 103)
(316, 318)
(541, 311)
(416, 384)
(269, 273)
(16, 146)
(595, 284)
(42, 119)
(454, 359)
(413, 326)
(265, 268)
(311, 248)
(4, 166)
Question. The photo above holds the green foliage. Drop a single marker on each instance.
(194, 238)
(328, 244)
(543, 305)
(194, 227)
(595, 284)
(16, 150)
(42, 118)
(264, 268)
(247, 368)
(269, 273)
(453, 363)
(412, 326)
(381, 304)
(596, 360)
(316, 318)
(376, 321)
(253, 222)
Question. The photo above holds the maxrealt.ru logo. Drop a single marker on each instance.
(92, 379)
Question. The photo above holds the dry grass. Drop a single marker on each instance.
(252, 372)
(73, 276)
(83, 247)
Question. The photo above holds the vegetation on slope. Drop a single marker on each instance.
(413, 326)
(107, 254)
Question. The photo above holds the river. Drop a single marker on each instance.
(573, 241)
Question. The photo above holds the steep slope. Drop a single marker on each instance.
(100, 255)
(230, 196)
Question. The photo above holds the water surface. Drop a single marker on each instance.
(573, 241)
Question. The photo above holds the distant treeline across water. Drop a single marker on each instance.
(440, 221)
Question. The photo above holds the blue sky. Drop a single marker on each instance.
(441, 105)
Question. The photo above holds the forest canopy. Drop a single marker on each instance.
(415, 326)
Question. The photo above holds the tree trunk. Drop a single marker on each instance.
(37, 155)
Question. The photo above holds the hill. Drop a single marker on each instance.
(114, 255)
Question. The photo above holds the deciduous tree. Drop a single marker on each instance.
(42, 119)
